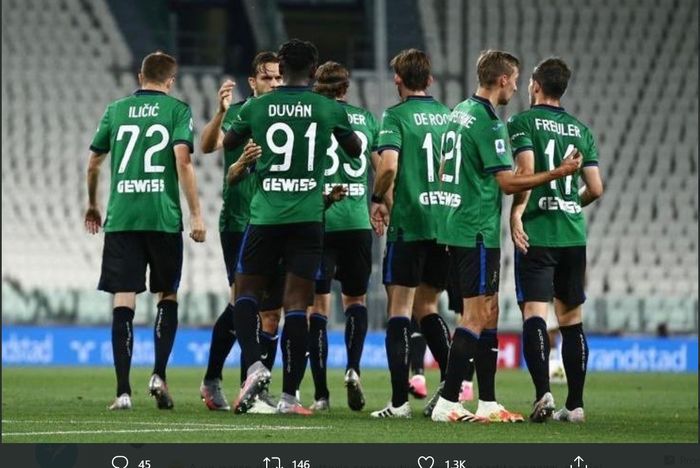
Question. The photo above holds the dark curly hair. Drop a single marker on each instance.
(298, 59)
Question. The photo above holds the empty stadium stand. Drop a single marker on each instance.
(635, 83)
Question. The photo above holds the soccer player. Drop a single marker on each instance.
(347, 244)
(264, 76)
(415, 266)
(476, 167)
(549, 231)
(293, 126)
(149, 135)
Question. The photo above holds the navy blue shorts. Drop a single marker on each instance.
(230, 246)
(347, 257)
(546, 272)
(127, 254)
(475, 270)
(412, 263)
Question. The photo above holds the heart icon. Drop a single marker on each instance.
(426, 462)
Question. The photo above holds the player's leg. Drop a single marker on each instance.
(259, 255)
(534, 273)
(455, 303)
(425, 309)
(476, 337)
(462, 350)
(298, 293)
(264, 403)
(223, 336)
(435, 331)
(569, 298)
(165, 261)
(270, 316)
(416, 385)
(403, 264)
(123, 274)
(122, 346)
(400, 302)
(318, 321)
(318, 348)
(303, 246)
(354, 267)
(356, 323)
(270, 319)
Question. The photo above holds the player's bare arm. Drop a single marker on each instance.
(337, 194)
(233, 140)
(524, 164)
(383, 181)
(511, 182)
(594, 185)
(351, 144)
(238, 170)
(188, 182)
(93, 217)
(212, 137)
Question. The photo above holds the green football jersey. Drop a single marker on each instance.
(293, 125)
(415, 129)
(553, 216)
(235, 211)
(474, 149)
(140, 131)
(341, 169)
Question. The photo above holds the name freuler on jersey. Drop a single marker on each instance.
(558, 128)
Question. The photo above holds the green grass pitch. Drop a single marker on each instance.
(69, 405)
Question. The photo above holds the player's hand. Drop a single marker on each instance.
(225, 95)
(517, 233)
(338, 193)
(251, 153)
(93, 220)
(198, 232)
(379, 216)
(570, 164)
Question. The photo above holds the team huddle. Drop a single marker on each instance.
(299, 212)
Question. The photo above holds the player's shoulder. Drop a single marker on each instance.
(177, 102)
(444, 108)
(235, 108)
(358, 110)
(521, 117)
(583, 125)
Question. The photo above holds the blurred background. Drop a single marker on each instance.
(635, 84)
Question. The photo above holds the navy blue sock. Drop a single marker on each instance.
(355, 333)
(417, 349)
(122, 346)
(462, 351)
(574, 354)
(318, 354)
(222, 340)
(295, 335)
(536, 352)
(268, 344)
(164, 335)
(486, 362)
(397, 345)
(246, 322)
(437, 336)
